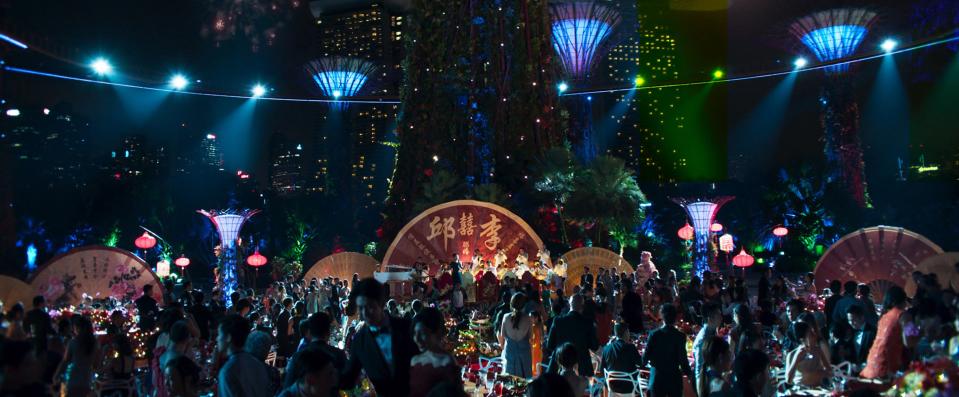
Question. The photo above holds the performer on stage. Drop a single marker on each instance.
(500, 259)
(477, 258)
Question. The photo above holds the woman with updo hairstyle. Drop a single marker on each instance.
(434, 365)
(514, 336)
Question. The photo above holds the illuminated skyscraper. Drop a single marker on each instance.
(287, 174)
(642, 132)
(370, 31)
(211, 152)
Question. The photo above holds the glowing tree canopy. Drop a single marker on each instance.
(228, 224)
(702, 212)
(834, 34)
(340, 77)
(580, 30)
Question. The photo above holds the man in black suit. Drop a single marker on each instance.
(382, 347)
(621, 355)
(284, 329)
(38, 323)
(319, 331)
(863, 334)
(586, 278)
(147, 308)
(666, 354)
(574, 328)
(836, 287)
(632, 308)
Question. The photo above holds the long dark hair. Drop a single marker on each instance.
(85, 338)
(517, 303)
(895, 296)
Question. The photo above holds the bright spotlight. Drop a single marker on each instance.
(639, 81)
(718, 74)
(178, 82)
(800, 63)
(258, 90)
(13, 112)
(210, 136)
(101, 66)
(337, 94)
(562, 87)
(889, 45)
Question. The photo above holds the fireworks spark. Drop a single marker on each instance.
(255, 20)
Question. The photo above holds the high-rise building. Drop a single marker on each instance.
(287, 174)
(46, 146)
(643, 131)
(211, 153)
(373, 31)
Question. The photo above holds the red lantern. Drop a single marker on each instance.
(182, 262)
(145, 242)
(716, 227)
(780, 231)
(742, 259)
(726, 243)
(686, 232)
(256, 260)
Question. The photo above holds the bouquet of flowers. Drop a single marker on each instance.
(938, 377)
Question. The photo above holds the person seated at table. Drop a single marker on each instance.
(568, 361)
(434, 365)
(717, 361)
(742, 321)
(840, 343)
(815, 326)
(862, 334)
(885, 355)
(807, 365)
(750, 373)
(751, 339)
(549, 385)
(182, 377)
(316, 375)
(620, 354)
(513, 335)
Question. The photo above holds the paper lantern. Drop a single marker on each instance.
(163, 268)
(182, 261)
(256, 260)
(716, 227)
(726, 243)
(742, 259)
(686, 232)
(145, 242)
(780, 231)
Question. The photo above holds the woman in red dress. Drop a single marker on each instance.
(434, 365)
(885, 355)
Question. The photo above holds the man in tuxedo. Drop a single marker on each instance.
(666, 354)
(620, 355)
(586, 278)
(147, 308)
(574, 328)
(863, 334)
(38, 323)
(382, 347)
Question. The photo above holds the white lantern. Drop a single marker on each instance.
(163, 268)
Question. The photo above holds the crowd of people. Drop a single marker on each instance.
(710, 336)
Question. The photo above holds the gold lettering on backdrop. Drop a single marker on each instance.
(490, 230)
(442, 227)
(466, 224)
(422, 247)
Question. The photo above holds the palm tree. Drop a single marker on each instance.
(556, 170)
(606, 194)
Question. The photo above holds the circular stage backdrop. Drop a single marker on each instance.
(458, 228)
(594, 257)
(97, 271)
(881, 256)
(342, 265)
(13, 290)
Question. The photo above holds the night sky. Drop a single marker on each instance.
(148, 41)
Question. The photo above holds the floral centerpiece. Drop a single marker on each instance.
(938, 377)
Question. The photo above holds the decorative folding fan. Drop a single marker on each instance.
(943, 266)
(13, 290)
(594, 258)
(343, 265)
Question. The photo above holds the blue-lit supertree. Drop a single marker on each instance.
(833, 35)
(582, 31)
(228, 224)
(338, 77)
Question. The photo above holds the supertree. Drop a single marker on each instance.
(339, 77)
(702, 211)
(582, 31)
(833, 35)
(228, 224)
